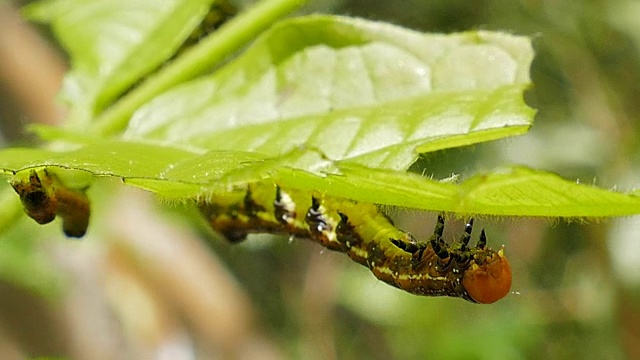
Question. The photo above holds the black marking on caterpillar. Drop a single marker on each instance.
(44, 197)
(284, 207)
(367, 236)
(250, 205)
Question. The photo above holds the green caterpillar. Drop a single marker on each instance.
(434, 268)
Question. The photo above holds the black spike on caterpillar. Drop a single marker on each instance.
(434, 268)
(44, 197)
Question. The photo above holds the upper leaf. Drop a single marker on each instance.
(356, 90)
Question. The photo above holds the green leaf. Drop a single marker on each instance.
(527, 192)
(358, 91)
(180, 174)
(200, 59)
(113, 43)
(171, 172)
(513, 191)
(119, 159)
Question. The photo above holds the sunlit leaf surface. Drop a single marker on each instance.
(359, 91)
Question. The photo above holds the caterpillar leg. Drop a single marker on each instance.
(438, 245)
(466, 236)
(284, 207)
(315, 218)
(482, 241)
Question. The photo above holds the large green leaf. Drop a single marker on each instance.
(359, 91)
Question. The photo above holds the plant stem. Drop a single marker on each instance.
(201, 58)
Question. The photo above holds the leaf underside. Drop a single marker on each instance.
(189, 175)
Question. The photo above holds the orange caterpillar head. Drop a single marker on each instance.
(488, 280)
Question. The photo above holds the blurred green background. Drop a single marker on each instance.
(146, 283)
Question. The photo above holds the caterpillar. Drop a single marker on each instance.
(44, 197)
(369, 237)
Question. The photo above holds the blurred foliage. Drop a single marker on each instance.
(577, 289)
